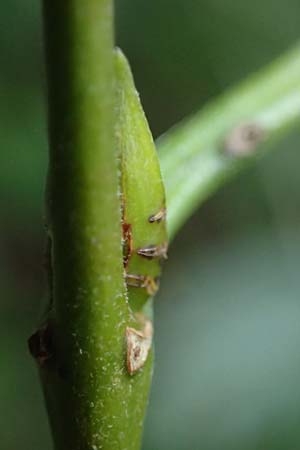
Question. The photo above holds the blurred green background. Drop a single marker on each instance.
(227, 316)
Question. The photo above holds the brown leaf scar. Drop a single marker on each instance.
(154, 251)
(138, 345)
(159, 216)
(143, 281)
(244, 139)
(40, 345)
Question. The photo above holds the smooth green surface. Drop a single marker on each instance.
(194, 162)
(142, 189)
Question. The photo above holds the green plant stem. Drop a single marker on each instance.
(195, 156)
(93, 403)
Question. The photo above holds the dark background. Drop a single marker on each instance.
(227, 316)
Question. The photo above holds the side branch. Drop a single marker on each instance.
(199, 155)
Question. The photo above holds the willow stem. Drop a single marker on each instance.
(203, 152)
(93, 402)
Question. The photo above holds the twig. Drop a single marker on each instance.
(199, 155)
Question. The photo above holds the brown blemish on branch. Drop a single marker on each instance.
(159, 216)
(138, 345)
(40, 344)
(127, 242)
(244, 139)
(154, 251)
(143, 281)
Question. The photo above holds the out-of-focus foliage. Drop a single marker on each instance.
(228, 313)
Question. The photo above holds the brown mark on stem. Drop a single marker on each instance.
(143, 281)
(154, 251)
(159, 216)
(127, 242)
(138, 345)
(243, 139)
(40, 344)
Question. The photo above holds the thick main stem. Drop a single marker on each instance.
(93, 402)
